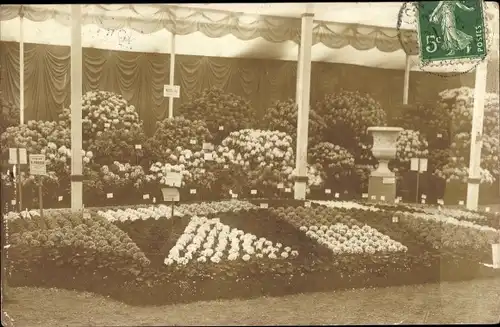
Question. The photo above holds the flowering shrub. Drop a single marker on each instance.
(410, 144)
(222, 112)
(213, 239)
(102, 111)
(347, 115)
(432, 120)
(113, 144)
(35, 135)
(9, 114)
(267, 156)
(460, 103)
(282, 116)
(336, 163)
(177, 132)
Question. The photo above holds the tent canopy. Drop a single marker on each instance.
(352, 33)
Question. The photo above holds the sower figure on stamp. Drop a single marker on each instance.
(453, 38)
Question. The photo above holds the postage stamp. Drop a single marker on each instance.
(450, 30)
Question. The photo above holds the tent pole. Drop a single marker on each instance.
(172, 75)
(303, 100)
(407, 79)
(476, 137)
(76, 109)
(21, 67)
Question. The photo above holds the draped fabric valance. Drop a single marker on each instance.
(217, 23)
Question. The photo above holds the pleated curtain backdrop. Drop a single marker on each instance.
(140, 77)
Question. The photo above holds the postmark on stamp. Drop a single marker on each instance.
(450, 30)
(446, 38)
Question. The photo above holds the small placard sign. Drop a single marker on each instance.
(208, 156)
(382, 198)
(288, 190)
(395, 219)
(59, 198)
(171, 91)
(170, 194)
(373, 197)
(234, 195)
(414, 164)
(364, 195)
(145, 196)
(192, 191)
(253, 192)
(423, 196)
(192, 141)
(461, 203)
(423, 201)
(389, 180)
(109, 195)
(208, 146)
(38, 166)
(337, 195)
(221, 128)
(23, 157)
(307, 204)
(440, 202)
(173, 179)
(264, 205)
(423, 165)
(138, 146)
(280, 185)
(328, 191)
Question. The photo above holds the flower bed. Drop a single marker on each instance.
(314, 268)
(237, 243)
(70, 240)
(446, 233)
(190, 209)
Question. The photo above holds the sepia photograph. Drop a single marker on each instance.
(217, 164)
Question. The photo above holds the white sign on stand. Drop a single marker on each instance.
(38, 166)
(418, 164)
(171, 91)
(23, 158)
(173, 179)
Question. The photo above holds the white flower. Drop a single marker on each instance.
(284, 255)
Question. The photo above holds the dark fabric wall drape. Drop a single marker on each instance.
(140, 77)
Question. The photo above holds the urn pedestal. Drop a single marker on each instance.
(382, 182)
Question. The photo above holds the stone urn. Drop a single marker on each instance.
(382, 183)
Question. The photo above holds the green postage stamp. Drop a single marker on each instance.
(450, 30)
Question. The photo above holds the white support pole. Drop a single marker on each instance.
(76, 109)
(21, 67)
(172, 75)
(478, 117)
(303, 99)
(406, 84)
(476, 137)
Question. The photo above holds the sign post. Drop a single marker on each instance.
(17, 157)
(419, 165)
(172, 92)
(38, 166)
(173, 181)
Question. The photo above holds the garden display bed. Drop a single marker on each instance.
(142, 255)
